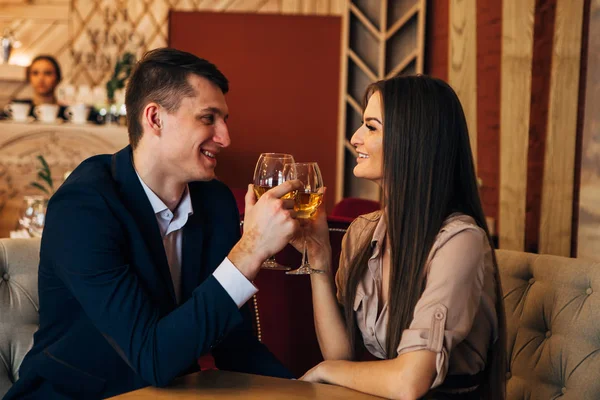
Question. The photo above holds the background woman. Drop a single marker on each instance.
(418, 282)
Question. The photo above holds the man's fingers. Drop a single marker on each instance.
(288, 204)
(285, 188)
(250, 198)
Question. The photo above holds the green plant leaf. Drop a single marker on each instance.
(44, 163)
(46, 178)
(40, 187)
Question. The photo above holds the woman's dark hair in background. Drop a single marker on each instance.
(428, 174)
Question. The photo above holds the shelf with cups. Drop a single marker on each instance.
(12, 73)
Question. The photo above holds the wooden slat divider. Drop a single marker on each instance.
(515, 95)
(557, 189)
(462, 61)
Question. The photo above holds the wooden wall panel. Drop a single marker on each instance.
(489, 57)
(588, 227)
(462, 61)
(437, 38)
(538, 120)
(557, 194)
(517, 52)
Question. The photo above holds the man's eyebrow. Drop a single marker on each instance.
(373, 119)
(213, 110)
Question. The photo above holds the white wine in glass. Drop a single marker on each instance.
(307, 203)
(272, 169)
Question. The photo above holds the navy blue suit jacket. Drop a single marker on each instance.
(109, 322)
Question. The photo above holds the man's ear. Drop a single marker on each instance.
(152, 117)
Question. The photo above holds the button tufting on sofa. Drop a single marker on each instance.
(555, 307)
(19, 305)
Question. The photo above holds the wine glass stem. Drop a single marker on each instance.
(304, 250)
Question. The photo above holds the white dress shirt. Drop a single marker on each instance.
(170, 224)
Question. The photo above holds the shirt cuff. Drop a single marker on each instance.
(237, 286)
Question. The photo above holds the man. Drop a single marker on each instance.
(142, 268)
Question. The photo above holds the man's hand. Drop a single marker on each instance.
(269, 224)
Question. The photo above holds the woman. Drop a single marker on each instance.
(418, 282)
(44, 75)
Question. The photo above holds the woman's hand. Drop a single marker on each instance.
(315, 374)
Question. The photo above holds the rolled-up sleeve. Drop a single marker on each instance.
(445, 312)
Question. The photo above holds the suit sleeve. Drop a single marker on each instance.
(87, 245)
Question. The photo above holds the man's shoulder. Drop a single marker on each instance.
(92, 175)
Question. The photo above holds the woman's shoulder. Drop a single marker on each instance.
(455, 224)
(363, 224)
(364, 221)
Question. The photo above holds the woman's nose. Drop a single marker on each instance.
(356, 138)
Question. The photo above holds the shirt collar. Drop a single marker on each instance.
(182, 212)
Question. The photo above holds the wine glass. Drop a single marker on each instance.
(272, 169)
(34, 215)
(308, 201)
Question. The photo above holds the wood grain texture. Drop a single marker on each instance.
(462, 61)
(545, 15)
(437, 33)
(214, 385)
(489, 55)
(342, 142)
(557, 194)
(588, 228)
(517, 52)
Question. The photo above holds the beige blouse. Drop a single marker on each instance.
(456, 315)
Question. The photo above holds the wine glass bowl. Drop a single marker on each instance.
(307, 202)
(273, 169)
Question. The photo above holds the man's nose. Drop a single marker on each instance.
(222, 135)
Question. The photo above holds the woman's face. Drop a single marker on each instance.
(42, 77)
(368, 141)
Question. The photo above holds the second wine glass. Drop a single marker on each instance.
(272, 169)
(308, 201)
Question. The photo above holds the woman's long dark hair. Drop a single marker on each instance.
(428, 173)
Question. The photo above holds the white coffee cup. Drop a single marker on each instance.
(46, 112)
(78, 113)
(18, 111)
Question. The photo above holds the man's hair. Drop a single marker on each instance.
(51, 60)
(161, 76)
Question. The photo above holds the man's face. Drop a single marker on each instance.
(192, 137)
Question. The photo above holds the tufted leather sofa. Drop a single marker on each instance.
(553, 320)
(19, 305)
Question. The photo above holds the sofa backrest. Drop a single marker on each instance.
(553, 322)
(19, 305)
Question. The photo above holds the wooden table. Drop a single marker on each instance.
(214, 384)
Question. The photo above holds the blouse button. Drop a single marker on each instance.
(548, 334)
(439, 315)
(5, 277)
(532, 281)
(563, 390)
(589, 291)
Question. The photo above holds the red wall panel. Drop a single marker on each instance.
(284, 85)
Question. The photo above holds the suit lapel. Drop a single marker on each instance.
(136, 201)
